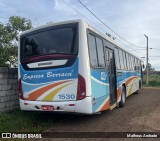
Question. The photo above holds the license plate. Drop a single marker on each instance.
(47, 108)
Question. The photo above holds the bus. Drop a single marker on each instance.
(72, 67)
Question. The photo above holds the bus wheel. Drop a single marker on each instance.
(123, 97)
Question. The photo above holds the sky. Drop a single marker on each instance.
(130, 19)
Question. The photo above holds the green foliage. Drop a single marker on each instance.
(17, 24)
(20, 121)
(8, 34)
(154, 81)
(3, 57)
(150, 68)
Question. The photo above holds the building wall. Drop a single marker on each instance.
(9, 97)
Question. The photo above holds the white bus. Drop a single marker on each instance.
(72, 67)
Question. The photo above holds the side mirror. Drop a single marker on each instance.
(143, 66)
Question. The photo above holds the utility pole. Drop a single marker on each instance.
(147, 61)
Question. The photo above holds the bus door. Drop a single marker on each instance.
(109, 56)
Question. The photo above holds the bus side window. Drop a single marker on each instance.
(124, 60)
(111, 62)
(92, 50)
(121, 59)
(139, 65)
(107, 58)
(130, 59)
(100, 51)
(132, 62)
(135, 64)
(127, 61)
(117, 58)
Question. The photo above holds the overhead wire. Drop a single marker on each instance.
(107, 25)
(88, 18)
(75, 10)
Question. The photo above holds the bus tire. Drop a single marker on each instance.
(123, 97)
(138, 91)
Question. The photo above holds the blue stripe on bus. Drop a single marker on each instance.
(100, 75)
(49, 75)
(125, 75)
(98, 102)
(98, 89)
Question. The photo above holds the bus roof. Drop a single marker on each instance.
(87, 26)
(51, 24)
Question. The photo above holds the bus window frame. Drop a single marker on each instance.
(88, 31)
(48, 28)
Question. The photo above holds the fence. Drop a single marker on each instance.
(8, 89)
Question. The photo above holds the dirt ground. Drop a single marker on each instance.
(141, 114)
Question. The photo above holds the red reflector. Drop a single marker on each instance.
(71, 104)
(25, 103)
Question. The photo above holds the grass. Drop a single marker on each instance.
(20, 121)
(154, 81)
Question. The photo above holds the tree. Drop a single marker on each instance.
(8, 34)
(150, 69)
